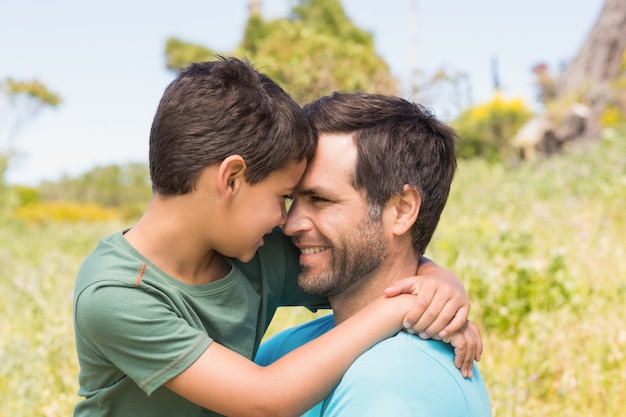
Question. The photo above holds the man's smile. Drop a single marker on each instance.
(312, 250)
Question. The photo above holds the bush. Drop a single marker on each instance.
(64, 212)
(485, 131)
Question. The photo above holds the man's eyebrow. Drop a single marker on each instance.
(305, 191)
(310, 191)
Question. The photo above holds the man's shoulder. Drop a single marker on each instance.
(425, 349)
(406, 375)
(404, 352)
(407, 354)
(287, 340)
(309, 330)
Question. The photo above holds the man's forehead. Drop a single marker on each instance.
(332, 164)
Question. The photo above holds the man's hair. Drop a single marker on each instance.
(398, 142)
(220, 108)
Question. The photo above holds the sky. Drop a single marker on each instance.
(106, 60)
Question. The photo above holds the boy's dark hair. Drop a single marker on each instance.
(220, 108)
(398, 143)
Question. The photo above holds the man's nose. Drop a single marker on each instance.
(297, 221)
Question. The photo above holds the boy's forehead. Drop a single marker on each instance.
(293, 172)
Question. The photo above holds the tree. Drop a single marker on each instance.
(315, 51)
(592, 82)
(23, 101)
(19, 102)
(179, 53)
(124, 187)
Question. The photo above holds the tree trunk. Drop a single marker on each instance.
(255, 7)
(596, 65)
(600, 57)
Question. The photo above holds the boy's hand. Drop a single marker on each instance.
(440, 311)
(441, 306)
(468, 346)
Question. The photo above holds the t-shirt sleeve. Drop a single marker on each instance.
(138, 333)
(272, 350)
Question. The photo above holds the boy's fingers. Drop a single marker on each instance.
(479, 341)
(403, 286)
(425, 310)
(456, 323)
(442, 321)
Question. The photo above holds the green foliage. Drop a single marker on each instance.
(38, 371)
(62, 211)
(34, 90)
(5, 158)
(326, 52)
(514, 257)
(26, 195)
(24, 99)
(516, 283)
(317, 51)
(123, 187)
(179, 53)
(540, 248)
(328, 17)
(485, 131)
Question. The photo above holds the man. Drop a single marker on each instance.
(363, 214)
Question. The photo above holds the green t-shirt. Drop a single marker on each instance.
(137, 327)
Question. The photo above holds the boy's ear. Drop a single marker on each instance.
(230, 175)
(406, 207)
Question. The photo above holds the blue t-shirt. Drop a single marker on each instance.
(400, 376)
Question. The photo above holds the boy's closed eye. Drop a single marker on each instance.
(288, 200)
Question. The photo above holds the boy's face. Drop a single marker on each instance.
(261, 207)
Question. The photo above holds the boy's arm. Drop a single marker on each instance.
(230, 384)
(442, 305)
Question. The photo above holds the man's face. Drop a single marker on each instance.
(340, 241)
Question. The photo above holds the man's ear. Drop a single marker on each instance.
(406, 209)
(231, 175)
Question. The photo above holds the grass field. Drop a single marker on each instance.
(540, 247)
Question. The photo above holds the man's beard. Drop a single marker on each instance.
(352, 258)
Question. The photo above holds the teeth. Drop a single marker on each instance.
(308, 251)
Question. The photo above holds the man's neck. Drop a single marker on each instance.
(395, 267)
